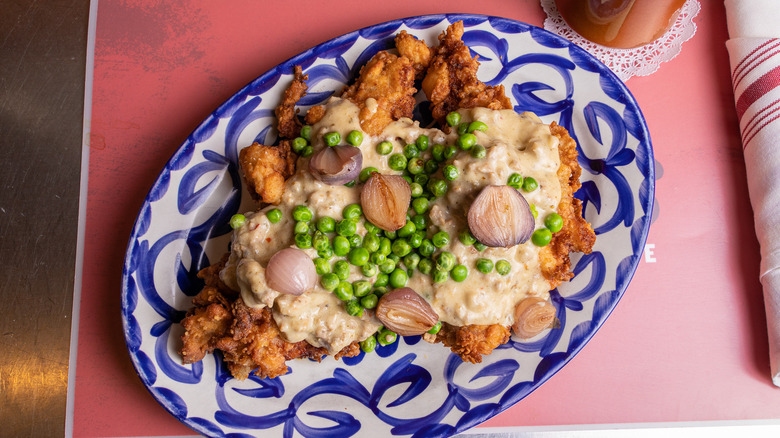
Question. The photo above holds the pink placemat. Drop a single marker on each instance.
(686, 343)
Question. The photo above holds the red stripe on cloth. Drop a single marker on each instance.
(747, 57)
(760, 87)
(759, 115)
(747, 139)
(756, 63)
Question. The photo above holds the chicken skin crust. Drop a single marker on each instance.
(265, 169)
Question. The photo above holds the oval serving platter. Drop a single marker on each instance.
(409, 388)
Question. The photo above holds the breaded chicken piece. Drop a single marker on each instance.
(384, 91)
(576, 234)
(472, 341)
(451, 80)
(415, 50)
(210, 277)
(248, 338)
(287, 122)
(265, 169)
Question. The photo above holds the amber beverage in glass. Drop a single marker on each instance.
(621, 24)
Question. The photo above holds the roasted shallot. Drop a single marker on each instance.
(532, 316)
(385, 200)
(405, 312)
(336, 165)
(291, 271)
(500, 217)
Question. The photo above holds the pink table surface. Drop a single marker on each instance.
(686, 343)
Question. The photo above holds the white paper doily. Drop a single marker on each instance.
(639, 61)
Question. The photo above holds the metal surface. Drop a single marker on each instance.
(42, 65)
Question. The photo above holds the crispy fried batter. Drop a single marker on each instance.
(472, 341)
(451, 80)
(210, 277)
(315, 114)
(415, 50)
(287, 122)
(265, 169)
(248, 338)
(577, 234)
(384, 91)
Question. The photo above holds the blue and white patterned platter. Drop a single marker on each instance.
(409, 388)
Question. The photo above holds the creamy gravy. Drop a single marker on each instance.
(515, 143)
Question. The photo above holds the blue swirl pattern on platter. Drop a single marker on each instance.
(408, 388)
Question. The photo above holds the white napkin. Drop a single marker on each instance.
(754, 50)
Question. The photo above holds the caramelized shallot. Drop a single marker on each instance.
(405, 312)
(500, 217)
(291, 271)
(385, 200)
(532, 316)
(336, 165)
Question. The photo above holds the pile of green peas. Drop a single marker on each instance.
(553, 222)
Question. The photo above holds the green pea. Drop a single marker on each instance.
(401, 247)
(411, 151)
(541, 237)
(459, 273)
(445, 261)
(329, 281)
(361, 288)
(415, 240)
(366, 173)
(530, 184)
(416, 189)
(450, 152)
(503, 267)
(346, 227)
(533, 211)
(358, 256)
(299, 144)
(326, 253)
(484, 266)
(343, 291)
(466, 238)
(371, 228)
(387, 267)
(378, 258)
(435, 329)
(369, 270)
(411, 260)
(350, 184)
(274, 215)
(515, 180)
(416, 166)
(385, 246)
(438, 187)
(427, 248)
(440, 239)
(332, 138)
(307, 151)
(453, 118)
(355, 241)
(352, 211)
(369, 301)
(421, 179)
(437, 152)
(407, 229)
(398, 278)
(394, 258)
(301, 227)
(321, 265)
(391, 234)
(237, 221)
(553, 222)
(326, 224)
(440, 276)
(340, 246)
(479, 246)
(384, 148)
(341, 269)
(320, 241)
(476, 125)
(386, 337)
(397, 162)
(355, 138)
(306, 132)
(422, 142)
(303, 241)
(382, 280)
(450, 172)
(425, 266)
(466, 141)
(301, 213)
(371, 242)
(407, 178)
(368, 345)
(420, 220)
(478, 151)
(463, 128)
(431, 166)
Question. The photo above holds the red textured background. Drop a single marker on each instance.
(686, 343)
